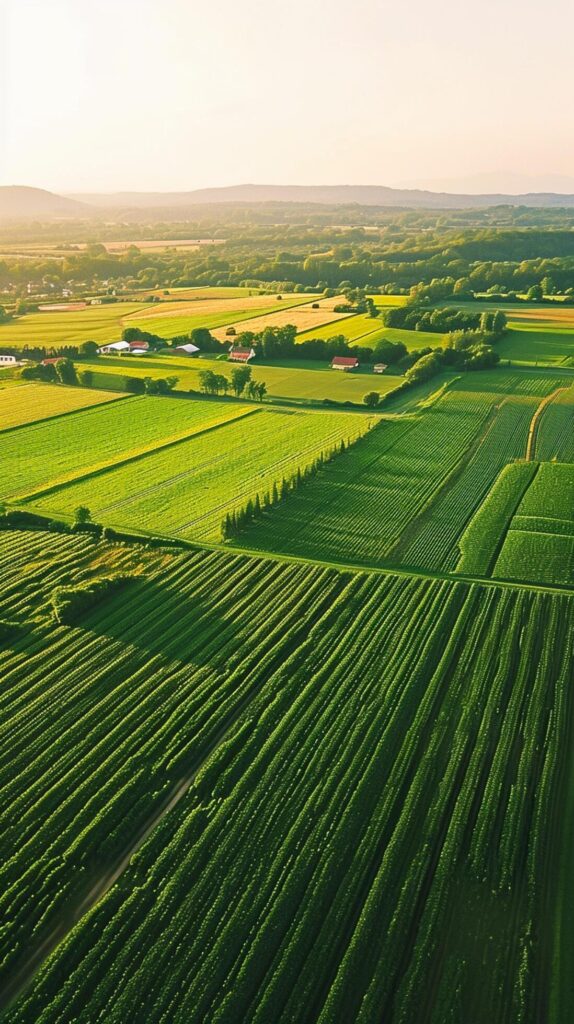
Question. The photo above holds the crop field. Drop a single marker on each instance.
(94, 323)
(86, 441)
(30, 402)
(303, 380)
(187, 489)
(174, 318)
(539, 544)
(306, 319)
(555, 432)
(276, 792)
(405, 493)
(361, 329)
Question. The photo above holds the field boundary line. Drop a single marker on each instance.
(32, 496)
(533, 429)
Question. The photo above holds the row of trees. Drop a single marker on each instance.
(238, 519)
(240, 383)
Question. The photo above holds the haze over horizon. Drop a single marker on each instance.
(145, 96)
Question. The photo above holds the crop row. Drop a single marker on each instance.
(357, 508)
(392, 773)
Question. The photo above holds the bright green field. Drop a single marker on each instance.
(349, 787)
(405, 493)
(30, 402)
(304, 380)
(87, 440)
(539, 544)
(368, 331)
(187, 489)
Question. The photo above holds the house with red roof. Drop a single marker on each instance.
(241, 355)
(344, 363)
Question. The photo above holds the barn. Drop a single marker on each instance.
(344, 363)
(7, 360)
(241, 355)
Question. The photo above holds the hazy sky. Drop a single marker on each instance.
(176, 94)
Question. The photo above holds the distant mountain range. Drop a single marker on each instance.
(18, 202)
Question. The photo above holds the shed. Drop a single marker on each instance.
(114, 348)
(187, 350)
(380, 367)
(344, 363)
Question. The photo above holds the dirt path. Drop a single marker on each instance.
(533, 429)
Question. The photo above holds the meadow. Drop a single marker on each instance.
(276, 792)
(186, 489)
(30, 402)
(305, 381)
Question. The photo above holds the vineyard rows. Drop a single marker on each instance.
(374, 763)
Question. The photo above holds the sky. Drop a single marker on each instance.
(162, 95)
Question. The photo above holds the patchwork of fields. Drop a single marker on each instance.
(186, 489)
(339, 831)
(319, 772)
(406, 492)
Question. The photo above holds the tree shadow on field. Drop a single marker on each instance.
(161, 620)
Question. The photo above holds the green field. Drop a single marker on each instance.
(406, 492)
(368, 331)
(304, 380)
(95, 323)
(89, 440)
(539, 544)
(298, 779)
(187, 489)
(30, 402)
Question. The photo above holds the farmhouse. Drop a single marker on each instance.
(380, 367)
(114, 348)
(344, 363)
(187, 349)
(51, 361)
(7, 360)
(241, 355)
(138, 347)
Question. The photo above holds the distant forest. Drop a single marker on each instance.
(297, 247)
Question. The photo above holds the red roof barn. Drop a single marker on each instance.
(241, 355)
(344, 363)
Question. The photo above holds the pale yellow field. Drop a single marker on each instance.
(304, 318)
(195, 307)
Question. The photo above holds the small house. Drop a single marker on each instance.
(241, 355)
(380, 367)
(187, 350)
(115, 348)
(138, 347)
(51, 361)
(344, 363)
(7, 360)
